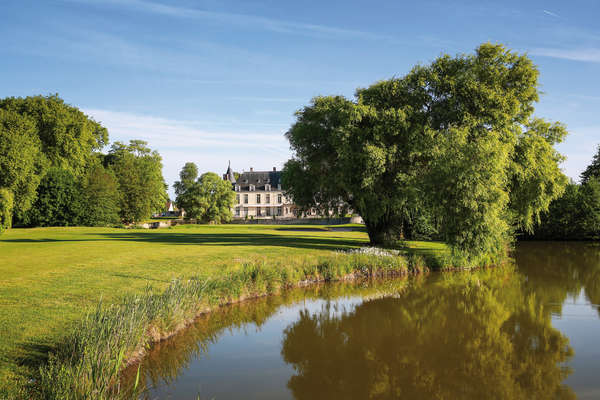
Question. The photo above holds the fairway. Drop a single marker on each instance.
(52, 276)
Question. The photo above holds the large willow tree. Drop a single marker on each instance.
(455, 140)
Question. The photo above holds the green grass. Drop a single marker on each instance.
(52, 277)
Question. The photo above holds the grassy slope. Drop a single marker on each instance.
(51, 276)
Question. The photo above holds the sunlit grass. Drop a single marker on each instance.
(51, 277)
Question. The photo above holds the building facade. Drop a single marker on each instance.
(258, 195)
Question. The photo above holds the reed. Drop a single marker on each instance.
(88, 362)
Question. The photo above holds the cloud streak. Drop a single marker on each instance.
(587, 55)
(239, 20)
(550, 13)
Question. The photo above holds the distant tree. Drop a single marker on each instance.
(592, 170)
(100, 197)
(590, 207)
(208, 198)
(6, 209)
(68, 136)
(187, 176)
(142, 187)
(58, 202)
(21, 159)
(452, 142)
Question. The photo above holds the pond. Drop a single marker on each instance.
(525, 332)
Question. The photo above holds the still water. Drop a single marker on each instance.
(528, 332)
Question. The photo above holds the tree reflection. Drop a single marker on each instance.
(557, 270)
(468, 337)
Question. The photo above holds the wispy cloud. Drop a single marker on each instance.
(588, 54)
(163, 132)
(269, 99)
(180, 141)
(240, 20)
(550, 13)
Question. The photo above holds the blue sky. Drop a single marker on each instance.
(211, 81)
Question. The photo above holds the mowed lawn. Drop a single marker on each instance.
(50, 277)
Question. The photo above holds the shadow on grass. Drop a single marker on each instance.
(221, 239)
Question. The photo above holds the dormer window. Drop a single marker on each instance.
(237, 188)
(267, 187)
(251, 188)
(245, 180)
(279, 186)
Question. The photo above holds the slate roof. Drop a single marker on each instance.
(259, 179)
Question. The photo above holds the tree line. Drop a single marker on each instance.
(576, 214)
(452, 149)
(53, 171)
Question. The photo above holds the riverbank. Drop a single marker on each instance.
(54, 275)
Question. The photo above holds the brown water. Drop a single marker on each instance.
(530, 332)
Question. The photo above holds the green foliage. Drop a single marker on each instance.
(58, 201)
(138, 171)
(188, 176)
(100, 196)
(21, 159)
(6, 209)
(452, 145)
(209, 198)
(592, 170)
(573, 216)
(67, 135)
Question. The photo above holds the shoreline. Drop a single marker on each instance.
(90, 360)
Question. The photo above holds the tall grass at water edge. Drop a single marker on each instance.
(87, 363)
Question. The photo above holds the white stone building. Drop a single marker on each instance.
(258, 195)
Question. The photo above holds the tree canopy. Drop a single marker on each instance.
(21, 159)
(208, 198)
(6, 206)
(138, 171)
(453, 142)
(100, 196)
(58, 201)
(67, 136)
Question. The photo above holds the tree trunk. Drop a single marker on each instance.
(381, 233)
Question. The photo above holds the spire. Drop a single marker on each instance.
(229, 174)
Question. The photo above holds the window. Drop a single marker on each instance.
(258, 198)
(268, 211)
(279, 210)
(245, 199)
(279, 198)
(268, 201)
(279, 186)
(237, 198)
(258, 212)
(237, 212)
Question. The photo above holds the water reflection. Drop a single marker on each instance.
(452, 339)
(495, 334)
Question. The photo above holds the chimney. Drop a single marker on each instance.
(251, 169)
(274, 169)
